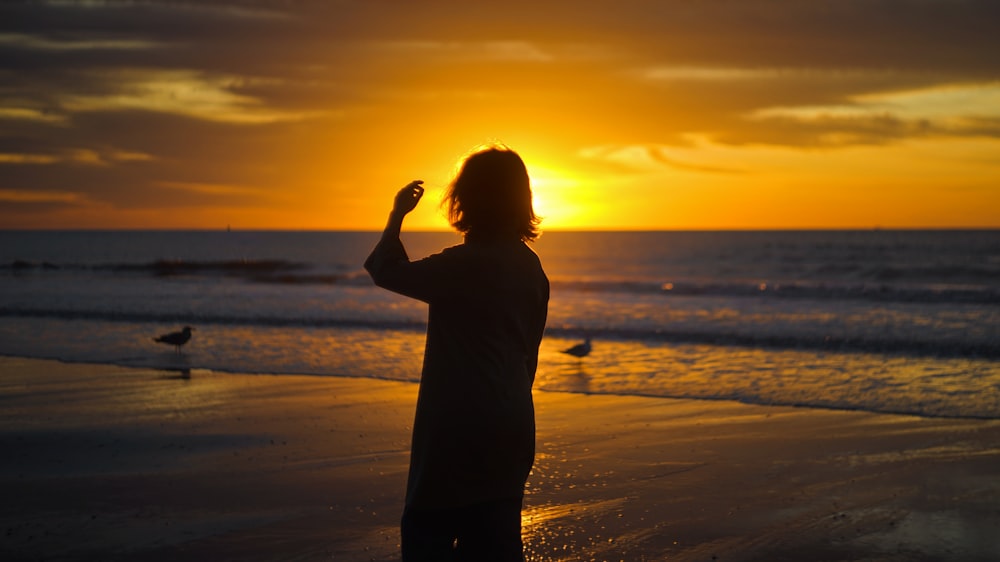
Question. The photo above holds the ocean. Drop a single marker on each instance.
(887, 321)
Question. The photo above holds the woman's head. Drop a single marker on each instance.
(490, 198)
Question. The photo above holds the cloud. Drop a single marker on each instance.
(130, 156)
(943, 36)
(31, 197)
(648, 159)
(944, 110)
(495, 51)
(211, 188)
(30, 114)
(22, 204)
(216, 37)
(15, 158)
(709, 73)
(181, 92)
(84, 156)
(105, 157)
(228, 8)
(39, 42)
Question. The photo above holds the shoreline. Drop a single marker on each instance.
(222, 372)
(117, 463)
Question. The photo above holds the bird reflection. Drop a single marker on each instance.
(183, 373)
(577, 380)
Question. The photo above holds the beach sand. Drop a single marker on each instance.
(107, 463)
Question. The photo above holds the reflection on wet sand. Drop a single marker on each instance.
(182, 374)
(556, 527)
(263, 467)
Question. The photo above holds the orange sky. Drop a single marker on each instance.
(630, 115)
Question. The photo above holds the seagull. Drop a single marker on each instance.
(176, 339)
(579, 350)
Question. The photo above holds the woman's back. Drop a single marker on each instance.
(473, 435)
(474, 429)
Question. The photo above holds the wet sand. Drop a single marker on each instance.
(107, 463)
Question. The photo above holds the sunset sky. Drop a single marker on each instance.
(669, 114)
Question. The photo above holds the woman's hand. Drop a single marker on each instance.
(407, 198)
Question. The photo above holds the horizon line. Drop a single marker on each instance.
(552, 230)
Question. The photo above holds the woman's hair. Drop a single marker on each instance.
(490, 197)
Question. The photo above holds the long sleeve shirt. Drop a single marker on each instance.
(474, 428)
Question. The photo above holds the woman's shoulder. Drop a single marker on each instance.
(494, 248)
(516, 254)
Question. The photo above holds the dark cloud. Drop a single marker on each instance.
(26, 211)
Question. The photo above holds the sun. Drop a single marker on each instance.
(558, 198)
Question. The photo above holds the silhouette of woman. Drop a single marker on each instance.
(474, 430)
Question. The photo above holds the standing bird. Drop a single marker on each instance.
(579, 350)
(176, 339)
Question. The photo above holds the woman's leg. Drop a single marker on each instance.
(428, 535)
(490, 532)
